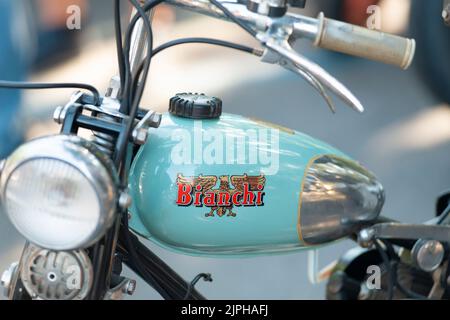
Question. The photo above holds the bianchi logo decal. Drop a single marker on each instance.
(232, 191)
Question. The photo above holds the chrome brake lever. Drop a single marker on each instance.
(279, 51)
(313, 81)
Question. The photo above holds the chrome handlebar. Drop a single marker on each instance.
(277, 35)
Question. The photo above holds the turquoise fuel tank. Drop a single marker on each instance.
(232, 186)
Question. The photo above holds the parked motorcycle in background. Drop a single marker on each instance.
(202, 182)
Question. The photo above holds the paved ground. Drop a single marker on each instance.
(403, 137)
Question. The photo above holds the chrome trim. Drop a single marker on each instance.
(80, 154)
(394, 230)
(339, 198)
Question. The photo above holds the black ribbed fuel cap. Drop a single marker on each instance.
(195, 106)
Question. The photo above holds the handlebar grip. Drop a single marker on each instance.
(362, 42)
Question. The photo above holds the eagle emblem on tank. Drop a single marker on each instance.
(231, 192)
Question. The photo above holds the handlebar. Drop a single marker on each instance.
(277, 34)
(370, 44)
(323, 32)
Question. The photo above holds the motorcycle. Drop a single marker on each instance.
(202, 182)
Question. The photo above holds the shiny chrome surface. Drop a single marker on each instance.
(277, 35)
(318, 77)
(338, 198)
(138, 45)
(428, 254)
(304, 27)
(394, 230)
(56, 275)
(8, 277)
(83, 156)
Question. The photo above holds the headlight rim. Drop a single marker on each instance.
(84, 157)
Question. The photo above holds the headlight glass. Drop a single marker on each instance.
(58, 193)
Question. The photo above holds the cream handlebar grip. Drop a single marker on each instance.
(370, 44)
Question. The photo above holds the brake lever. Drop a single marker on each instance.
(279, 51)
(268, 56)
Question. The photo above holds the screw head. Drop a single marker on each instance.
(130, 287)
(124, 200)
(365, 238)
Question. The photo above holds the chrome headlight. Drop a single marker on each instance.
(59, 192)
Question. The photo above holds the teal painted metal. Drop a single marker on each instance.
(272, 228)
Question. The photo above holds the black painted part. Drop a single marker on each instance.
(166, 277)
(442, 202)
(297, 3)
(274, 12)
(195, 106)
(20, 293)
(74, 120)
(102, 259)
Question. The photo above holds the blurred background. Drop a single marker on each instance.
(403, 137)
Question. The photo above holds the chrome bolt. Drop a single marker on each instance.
(58, 115)
(124, 200)
(365, 238)
(140, 135)
(130, 287)
(155, 120)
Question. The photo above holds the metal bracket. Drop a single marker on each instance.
(140, 132)
(60, 113)
(403, 231)
(125, 287)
